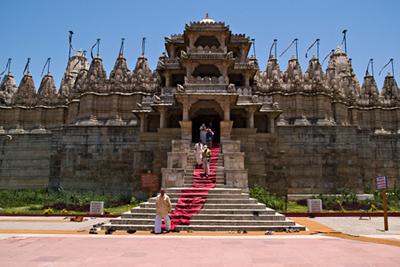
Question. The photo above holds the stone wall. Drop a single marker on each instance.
(25, 161)
(317, 159)
(95, 158)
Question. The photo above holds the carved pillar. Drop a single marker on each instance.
(162, 111)
(246, 79)
(191, 40)
(171, 51)
(167, 79)
(243, 53)
(272, 125)
(227, 110)
(250, 116)
(185, 111)
(142, 118)
(225, 129)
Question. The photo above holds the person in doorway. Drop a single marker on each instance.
(198, 153)
(209, 137)
(206, 160)
(203, 134)
(163, 207)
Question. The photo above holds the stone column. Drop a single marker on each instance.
(250, 116)
(185, 111)
(167, 79)
(272, 125)
(243, 55)
(227, 110)
(172, 52)
(162, 111)
(191, 40)
(246, 80)
(226, 129)
(142, 117)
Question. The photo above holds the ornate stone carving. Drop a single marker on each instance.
(119, 76)
(76, 63)
(96, 80)
(142, 77)
(8, 88)
(47, 94)
(26, 94)
(369, 91)
(390, 91)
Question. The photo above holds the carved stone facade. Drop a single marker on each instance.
(207, 76)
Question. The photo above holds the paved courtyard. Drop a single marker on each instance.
(73, 250)
(365, 226)
(54, 241)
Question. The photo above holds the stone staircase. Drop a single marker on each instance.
(226, 208)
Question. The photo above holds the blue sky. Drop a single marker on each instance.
(39, 29)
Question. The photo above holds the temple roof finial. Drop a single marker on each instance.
(207, 19)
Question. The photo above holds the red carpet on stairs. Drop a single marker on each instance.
(192, 199)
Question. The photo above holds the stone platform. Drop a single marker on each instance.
(228, 206)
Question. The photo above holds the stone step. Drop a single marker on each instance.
(216, 184)
(206, 222)
(218, 180)
(211, 195)
(215, 206)
(190, 182)
(206, 211)
(216, 201)
(264, 217)
(227, 190)
(225, 228)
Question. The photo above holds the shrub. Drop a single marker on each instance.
(48, 211)
(265, 197)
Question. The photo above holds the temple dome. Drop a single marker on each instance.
(207, 19)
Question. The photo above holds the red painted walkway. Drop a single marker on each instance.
(192, 199)
(166, 250)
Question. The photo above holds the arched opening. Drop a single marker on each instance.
(238, 116)
(178, 79)
(207, 41)
(236, 79)
(206, 70)
(209, 113)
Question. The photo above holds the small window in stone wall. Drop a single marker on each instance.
(153, 123)
(239, 118)
(236, 79)
(173, 121)
(178, 79)
(261, 123)
(207, 41)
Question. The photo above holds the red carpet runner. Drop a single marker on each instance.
(192, 199)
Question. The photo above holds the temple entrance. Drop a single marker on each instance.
(211, 121)
(208, 112)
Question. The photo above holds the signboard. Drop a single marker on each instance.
(150, 182)
(97, 207)
(381, 182)
(314, 205)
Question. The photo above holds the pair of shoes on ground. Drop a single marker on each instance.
(166, 231)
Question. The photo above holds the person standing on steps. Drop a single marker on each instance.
(206, 160)
(203, 134)
(209, 137)
(163, 207)
(198, 153)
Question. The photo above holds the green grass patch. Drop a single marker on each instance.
(64, 202)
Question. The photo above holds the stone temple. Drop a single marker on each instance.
(287, 130)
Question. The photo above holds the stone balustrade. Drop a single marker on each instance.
(206, 80)
(206, 49)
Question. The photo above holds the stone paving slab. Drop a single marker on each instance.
(355, 226)
(146, 251)
(47, 223)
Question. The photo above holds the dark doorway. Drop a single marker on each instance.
(211, 121)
